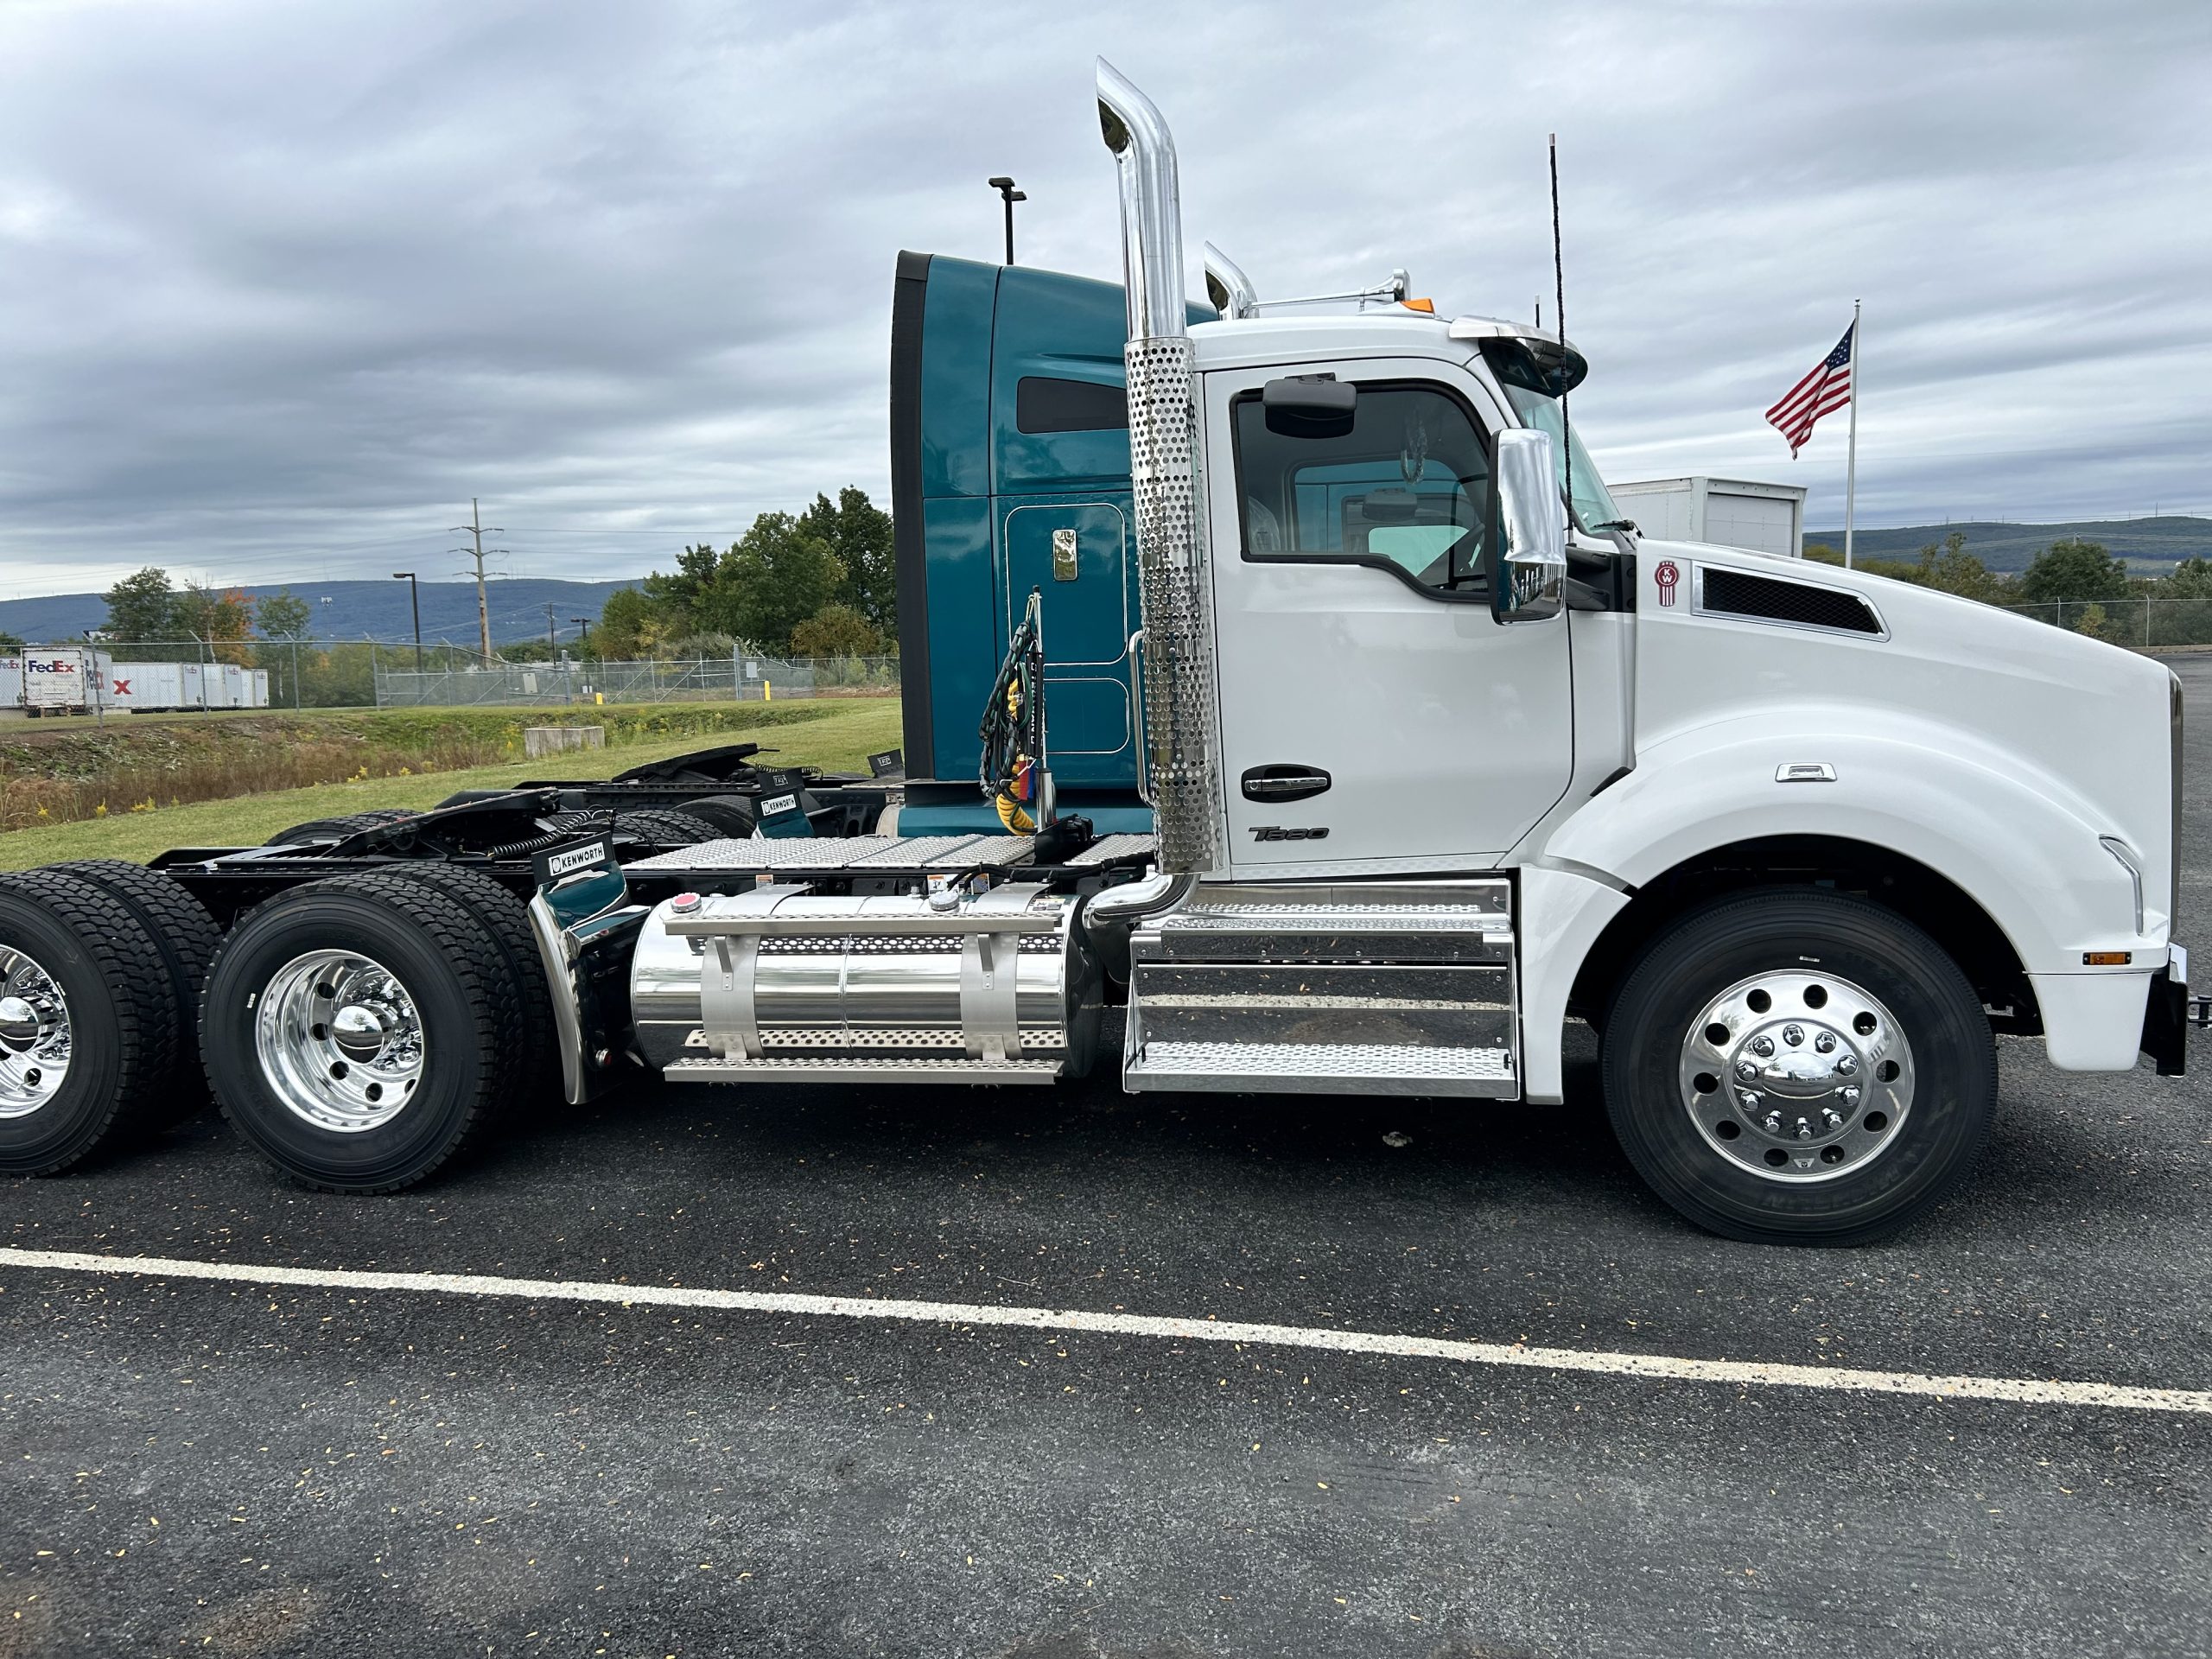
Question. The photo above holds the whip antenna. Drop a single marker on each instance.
(1558, 307)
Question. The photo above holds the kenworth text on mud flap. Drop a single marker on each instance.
(1371, 761)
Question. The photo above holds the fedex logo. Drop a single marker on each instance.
(122, 688)
(59, 666)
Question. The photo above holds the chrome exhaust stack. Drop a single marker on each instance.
(1228, 287)
(1176, 665)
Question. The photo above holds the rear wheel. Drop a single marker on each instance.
(186, 936)
(360, 1031)
(88, 1036)
(1799, 1066)
(731, 814)
(537, 1066)
(666, 828)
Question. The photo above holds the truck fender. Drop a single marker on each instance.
(2014, 839)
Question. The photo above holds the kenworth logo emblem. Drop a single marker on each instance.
(1275, 832)
(577, 858)
(1666, 575)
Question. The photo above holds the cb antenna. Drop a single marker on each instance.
(1559, 306)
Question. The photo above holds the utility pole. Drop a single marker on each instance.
(552, 643)
(474, 529)
(583, 622)
(1005, 187)
(414, 601)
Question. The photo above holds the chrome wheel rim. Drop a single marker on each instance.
(34, 1037)
(1797, 1077)
(340, 1041)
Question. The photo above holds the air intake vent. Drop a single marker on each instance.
(1734, 593)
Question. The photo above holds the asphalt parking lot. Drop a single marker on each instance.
(204, 1465)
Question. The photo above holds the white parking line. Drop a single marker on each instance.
(2024, 1391)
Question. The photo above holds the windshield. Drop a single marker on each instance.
(1594, 507)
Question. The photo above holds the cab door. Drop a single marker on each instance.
(1374, 717)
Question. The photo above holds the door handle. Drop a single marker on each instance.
(1284, 782)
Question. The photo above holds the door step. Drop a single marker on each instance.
(1322, 1069)
(862, 1068)
(1396, 988)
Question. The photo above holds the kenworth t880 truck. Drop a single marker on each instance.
(1327, 732)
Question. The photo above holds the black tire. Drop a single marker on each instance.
(666, 828)
(732, 815)
(538, 1065)
(186, 936)
(1802, 933)
(125, 1028)
(338, 828)
(454, 973)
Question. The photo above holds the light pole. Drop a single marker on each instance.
(99, 677)
(415, 603)
(1005, 187)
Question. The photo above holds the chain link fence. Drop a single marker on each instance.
(2140, 620)
(738, 678)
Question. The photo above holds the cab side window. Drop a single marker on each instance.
(1406, 488)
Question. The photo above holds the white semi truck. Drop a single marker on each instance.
(1434, 760)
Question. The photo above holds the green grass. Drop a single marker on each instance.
(839, 737)
(51, 774)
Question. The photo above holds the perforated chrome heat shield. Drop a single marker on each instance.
(1179, 717)
(1181, 758)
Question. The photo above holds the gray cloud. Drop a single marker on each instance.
(281, 287)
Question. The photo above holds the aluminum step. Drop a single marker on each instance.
(1384, 921)
(1347, 987)
(1321, 1069)
(861, 1068)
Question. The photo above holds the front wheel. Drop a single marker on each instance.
(1799, 1067)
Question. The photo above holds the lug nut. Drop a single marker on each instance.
(1793, 1035)
(1774, 1123)
(1847, 1095)
(1750, 1098)
(1832, 1120)
(1825, 1043)
(1804, 1130)
(1846, 1065)
(1762, 1046)
(1747, 1070)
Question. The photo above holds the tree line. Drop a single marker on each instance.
(818, 583)
(2084, 587)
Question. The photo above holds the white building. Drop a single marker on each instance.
(1730, 511)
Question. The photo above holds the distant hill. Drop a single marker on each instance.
(375, 609)
(2150, 543)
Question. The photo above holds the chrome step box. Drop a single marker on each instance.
(1346, 987)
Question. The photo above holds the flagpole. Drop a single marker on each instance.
(1851, 462)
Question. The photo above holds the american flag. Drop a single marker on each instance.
(1825, 390)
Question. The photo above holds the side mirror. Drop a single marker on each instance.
(1532, 517)
(1310, 406)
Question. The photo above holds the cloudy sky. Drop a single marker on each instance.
(282, 286)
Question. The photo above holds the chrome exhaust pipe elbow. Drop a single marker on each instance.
(1228, 287)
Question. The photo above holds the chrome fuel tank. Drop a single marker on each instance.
(782, 971)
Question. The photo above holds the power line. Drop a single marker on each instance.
(474, 528)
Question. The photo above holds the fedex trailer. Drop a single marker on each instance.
(60, 680)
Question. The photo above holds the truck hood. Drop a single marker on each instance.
(2088, 725)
